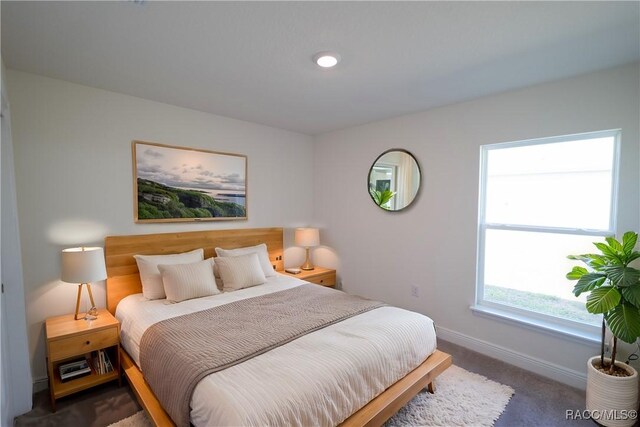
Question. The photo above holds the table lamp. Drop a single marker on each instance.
(82, 266)
(307, 237)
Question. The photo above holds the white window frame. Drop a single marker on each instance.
(521, 316)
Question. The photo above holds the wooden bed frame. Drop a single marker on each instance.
(123, 280)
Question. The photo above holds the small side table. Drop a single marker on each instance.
(69, 339)
(319, 276)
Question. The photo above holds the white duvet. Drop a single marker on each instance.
(319, 379)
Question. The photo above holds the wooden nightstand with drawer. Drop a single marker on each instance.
(69, 340)
(319, 276)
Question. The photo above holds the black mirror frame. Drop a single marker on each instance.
(419, 171)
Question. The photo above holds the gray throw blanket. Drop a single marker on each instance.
(175, 354)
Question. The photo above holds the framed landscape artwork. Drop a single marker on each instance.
(176, 184)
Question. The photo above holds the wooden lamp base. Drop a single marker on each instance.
(93, 310)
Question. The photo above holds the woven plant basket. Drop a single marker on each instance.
(612, 401)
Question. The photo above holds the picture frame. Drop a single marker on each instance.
(383, 184)
(179, 184)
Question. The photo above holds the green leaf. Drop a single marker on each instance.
(594, 261)
(629, 241)
(603, 300)
(577, 273)
(584, 257)
(597, 263)
(608, 252)
(386, 196)
(375, 194)
(624, 322)
(633, 256)
(632, 294)
(622, 276)
(588, 282)
(614, 244)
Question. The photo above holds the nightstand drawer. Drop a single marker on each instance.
(83, 343)
(324, 279)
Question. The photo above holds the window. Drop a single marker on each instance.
(541, 200)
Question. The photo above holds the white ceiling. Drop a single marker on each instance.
(252, 61)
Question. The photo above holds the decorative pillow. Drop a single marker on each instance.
(261, 250)
(216, 274)
(188, 281)
(152, 287)
(240, 272)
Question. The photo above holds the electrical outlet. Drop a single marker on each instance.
(415, 291)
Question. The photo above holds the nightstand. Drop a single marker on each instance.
(69, 340)
(319, 276)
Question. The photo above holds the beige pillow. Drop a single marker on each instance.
(152, 287)
(240, 272)
(188, 281)
(261, 250)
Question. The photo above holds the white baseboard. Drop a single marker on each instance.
(40, 384)
(533, 364)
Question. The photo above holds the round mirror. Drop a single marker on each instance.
(394, 179)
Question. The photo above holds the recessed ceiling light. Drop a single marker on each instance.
(326, 59)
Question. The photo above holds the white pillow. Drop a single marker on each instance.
(261, 250)
(188, 281)
(240, 272)
(152, 287)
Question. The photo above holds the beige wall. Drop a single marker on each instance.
(432, 245)
(74, 180)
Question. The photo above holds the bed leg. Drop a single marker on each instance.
(431, 387)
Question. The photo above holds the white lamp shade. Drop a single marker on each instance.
(307, 237)
(83, 265)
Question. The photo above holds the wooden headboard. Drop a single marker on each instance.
(122, 271)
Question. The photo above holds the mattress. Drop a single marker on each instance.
(318, 379)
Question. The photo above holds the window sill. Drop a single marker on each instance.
(562, 331)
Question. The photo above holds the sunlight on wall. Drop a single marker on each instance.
(321, 256)
(293, 256)
(325, 256)
(74, 232)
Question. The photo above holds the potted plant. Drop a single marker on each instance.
(614, 292)
(381, 197)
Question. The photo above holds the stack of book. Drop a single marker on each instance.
(101, 362)
(75, 369)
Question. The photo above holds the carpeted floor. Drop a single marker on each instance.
(537, 401)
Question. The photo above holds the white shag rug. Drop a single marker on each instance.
(139, 419)
(462, 398)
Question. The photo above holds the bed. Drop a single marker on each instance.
(352, 372)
